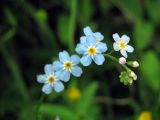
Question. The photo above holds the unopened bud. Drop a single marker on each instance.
(130, 81)
(122, 60)
(132, 74)
(135, 77)
(135, 64)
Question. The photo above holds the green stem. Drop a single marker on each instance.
(115, 59)
(38, 106)
(72, 22)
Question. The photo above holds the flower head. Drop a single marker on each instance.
(67, 65)
(121, 44)
(91, 50)
(145, 116)
(127, 77)
(50, 79)
(87, 31)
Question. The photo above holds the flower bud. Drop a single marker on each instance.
(130, 81)
(135, 64)
(122, 60)
(133, 75)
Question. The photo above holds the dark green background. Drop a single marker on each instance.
(33, 32)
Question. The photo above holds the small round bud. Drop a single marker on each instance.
(122, 60)
(135, 77)
(135, 64)
(130, 81)
(132, 74)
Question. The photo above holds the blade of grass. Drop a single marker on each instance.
(72, 22)
(16, 73)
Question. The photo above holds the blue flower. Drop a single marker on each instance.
(87, 31)
(50, 79)
(91, 50)
(121, 44)
(67, 65)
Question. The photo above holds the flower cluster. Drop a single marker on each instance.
(91, 48)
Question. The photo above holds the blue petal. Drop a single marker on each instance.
(57, 65)
(83, 40)
(99, 36)
(99, 59)
(47, 88)
(91, 41)
(86, 60)
(48, 69)
(87, 31)
(81, 48)
(64, 56)
(75, 59)
(58, 86)
(124, 53)
(76, 71)
(101, 47)
(41, 78)
(64, 75)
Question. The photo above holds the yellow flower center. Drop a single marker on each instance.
(122, 45)
(51, 79)
(145, 116)
(68, 65)
(73, 94)
(91, 50)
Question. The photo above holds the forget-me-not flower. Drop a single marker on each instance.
(50, 79)
(87, 31)
(91, 50)
(67, 65)
(121, 44)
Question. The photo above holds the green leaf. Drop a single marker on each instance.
(10, 17)
(143, 32)
(63, 24)
(86, 11)
(7, 36)
(53, 110)
(152, 9)
(130, 8)
(86, 98)
(150, 70)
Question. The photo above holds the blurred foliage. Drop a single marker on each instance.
(33, 32)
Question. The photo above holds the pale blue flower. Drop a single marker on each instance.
(50, 79)
(121, 44)
(91, 50)
(67, 65)
(87, 31)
